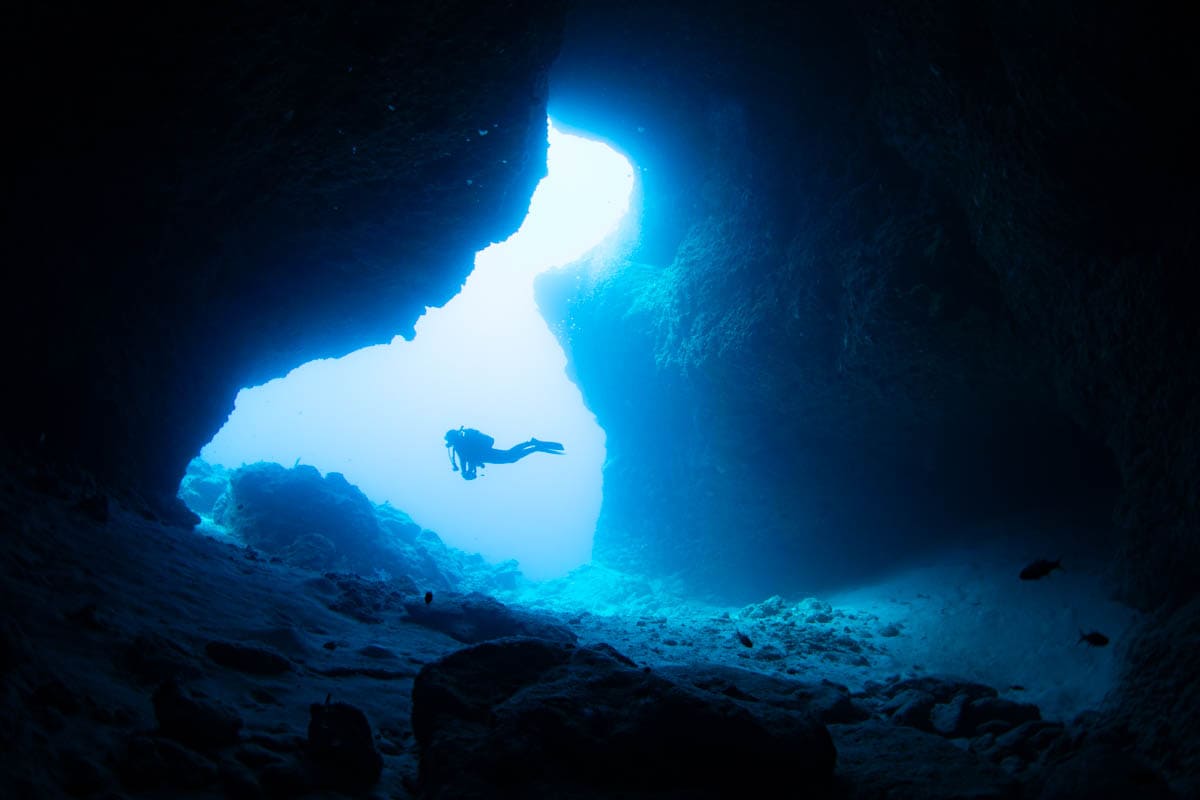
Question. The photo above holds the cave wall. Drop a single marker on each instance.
(204, 196)
(1060, 129)
(891, 282)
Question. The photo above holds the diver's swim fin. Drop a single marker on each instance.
(546, 446)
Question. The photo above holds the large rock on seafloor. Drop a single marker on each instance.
(271, 508)
(477, 618)
(526, 717)
(830, 702)
(202, 485)
(1104, 772)
(877, 760)
(326, 524)
(341, 749)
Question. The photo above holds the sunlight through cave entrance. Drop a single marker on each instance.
(485, 360)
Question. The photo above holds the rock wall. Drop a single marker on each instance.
(905, 282)
(207, 196)
(1059, 130)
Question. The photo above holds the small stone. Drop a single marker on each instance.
(947, 718)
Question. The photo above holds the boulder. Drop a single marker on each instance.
(270, 507)
(943, 689)
(984, 710)
(476, 618)
(913, 708)
(366, 600)
(341, 749)
(202, 485)
(878, 760)
(1104, 772)
(830, 702)
(947, 718)
(528, 717)
(311, 551)
(1027, 741)
(963, 716)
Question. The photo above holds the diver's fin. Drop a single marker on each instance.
(547, 445)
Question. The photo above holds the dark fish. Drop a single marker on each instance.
(1095, 638)
(1016, 687)
(428, 598)
(744, 639)
(1040, 569)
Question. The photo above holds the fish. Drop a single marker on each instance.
(1016, 687)
(744, 639)
(428, 598)
(1094, 639)
(1040, 569)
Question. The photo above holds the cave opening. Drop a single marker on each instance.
(484, 360)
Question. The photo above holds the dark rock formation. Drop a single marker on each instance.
(476, 618)
(1159, 693)
(243, 658)
(950, 708)
(1104, 773)
(284, 511)
(321, 523)
(211, 196)
(1092, 255)
(807, 332)
(525, 717)
(194, 720)
(877, 760)
(202, 485)
(904, 265)
(829, 702)
(341, 749)
(361, 599)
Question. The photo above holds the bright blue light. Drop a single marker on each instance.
(485, 360)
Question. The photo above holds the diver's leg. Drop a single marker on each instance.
(515, 453)
(538, 447)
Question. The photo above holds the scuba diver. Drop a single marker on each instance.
(474, 449)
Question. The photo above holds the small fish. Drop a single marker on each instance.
(428, 598)
(744, 639)
(1095, 638)
(1016, 687)
(1040, 569)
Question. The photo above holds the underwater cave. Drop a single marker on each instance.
(865, 384)
(486, 359)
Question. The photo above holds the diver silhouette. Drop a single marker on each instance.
(474, 449)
